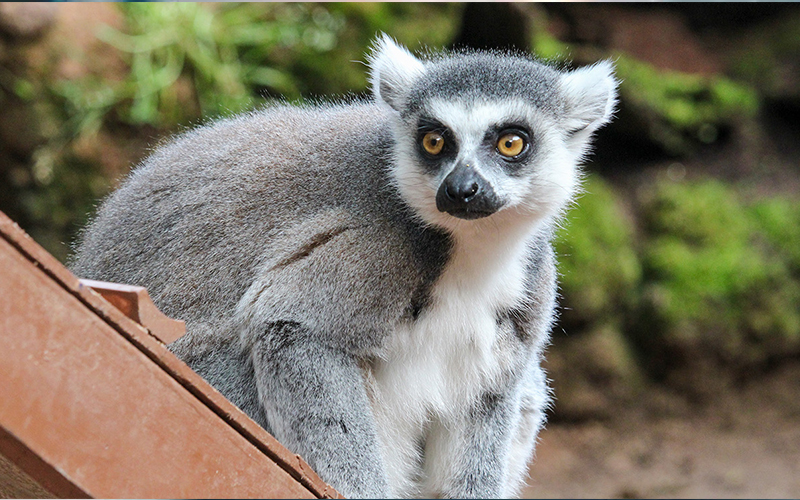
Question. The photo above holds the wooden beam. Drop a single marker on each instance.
(94, 404)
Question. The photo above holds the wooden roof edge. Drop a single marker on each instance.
(135, 303)
(47, 482)
(155, 349)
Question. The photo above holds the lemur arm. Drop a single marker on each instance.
(314, 398)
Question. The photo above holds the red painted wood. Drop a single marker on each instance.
(92, 405)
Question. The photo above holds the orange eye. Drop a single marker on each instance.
(510, 145)
(433, 142)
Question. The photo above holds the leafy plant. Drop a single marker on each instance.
(683, 109)
(675, 110)
(189, 59)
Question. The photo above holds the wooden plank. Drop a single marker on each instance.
(135, 303)
(15, 482)
(92, 404)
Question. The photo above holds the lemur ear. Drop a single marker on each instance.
(591, 94)
(392, 71)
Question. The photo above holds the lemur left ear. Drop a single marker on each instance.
(591, 94)
(392, 71)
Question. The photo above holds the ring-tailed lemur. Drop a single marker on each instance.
(372, 281)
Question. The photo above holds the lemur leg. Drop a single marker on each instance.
(315, 401)
(535, 398)
(401, 437)
(469, 456)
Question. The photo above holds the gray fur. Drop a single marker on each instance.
(475, 76)
(281, 237)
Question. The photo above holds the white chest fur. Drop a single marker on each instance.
(449, 352)
(434, 368)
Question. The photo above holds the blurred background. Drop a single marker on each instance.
(676, 360)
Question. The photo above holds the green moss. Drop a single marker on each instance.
(776, 312)
(684, 100)
(713, 280)
(600, 274)
(677, 111)
(597, 261)
(721, 275)
(779, 219)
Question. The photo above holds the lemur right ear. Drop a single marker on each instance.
(591, 94)
(392, 71)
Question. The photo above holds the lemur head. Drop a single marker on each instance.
(482, 134)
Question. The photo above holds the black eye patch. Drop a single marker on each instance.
(426, 126)
(512, 142)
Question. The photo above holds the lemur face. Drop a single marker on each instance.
(468, 155)
(470, 160)
(479, 134)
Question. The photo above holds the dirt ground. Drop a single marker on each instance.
(744, 445)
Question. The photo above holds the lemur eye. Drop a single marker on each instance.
(510, 145)
(433, 142)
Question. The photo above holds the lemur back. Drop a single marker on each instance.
(371, 281)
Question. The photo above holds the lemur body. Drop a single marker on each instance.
(372, 282)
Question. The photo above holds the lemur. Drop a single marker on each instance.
(372, 281)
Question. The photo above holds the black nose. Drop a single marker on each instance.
(461, 189)
(466, 194)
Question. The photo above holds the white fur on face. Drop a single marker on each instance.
(541, 194)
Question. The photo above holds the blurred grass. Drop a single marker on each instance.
(679, 112)
(683, 110)
(598, 262)
(719, 275)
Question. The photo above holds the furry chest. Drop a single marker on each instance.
(454, 351)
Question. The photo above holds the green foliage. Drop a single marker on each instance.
(677, 111)
(700, 252)
(775, 313)
(779, 219)
(682, 109)
(719, 273)
(189, 59)
(597, 259)
(711, 279)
